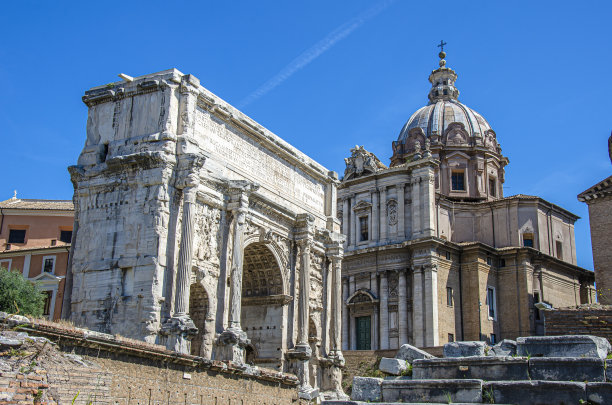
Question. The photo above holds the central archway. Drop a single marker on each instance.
(263, 306)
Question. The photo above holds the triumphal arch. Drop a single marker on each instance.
(198, 229)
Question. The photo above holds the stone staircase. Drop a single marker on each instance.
(544, 370)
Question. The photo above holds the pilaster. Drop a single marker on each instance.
(402, 308)
(384, 312)
(383, 213)
(401, 210)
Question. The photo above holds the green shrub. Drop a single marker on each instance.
(18, 295)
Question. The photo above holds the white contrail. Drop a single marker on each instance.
(316, 50)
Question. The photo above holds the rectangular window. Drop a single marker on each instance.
(489, 261)
(66, 236)
(53, 242)
(559, 246)
(492, 191)
(528, 239)
(48, 296)
(458, 181)
(49, 264)
(449, 296)
(493, 339)
(363, 228)
(536, 299)
(6, 264)
(491, 302)
(451, 338)
(448, 256)
(502, 263)
(17, 236)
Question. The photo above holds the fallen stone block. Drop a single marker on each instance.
(599, 393)
(566, 369)
(464, 349)
(563, 346)
(392, 366)
(367, 389)
(410, 353)
(534, 392)
(504, 348)
(483, 368)
(442, 391)
(8, 342)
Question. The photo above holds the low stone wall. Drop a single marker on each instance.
(96, 368)
(582, 320)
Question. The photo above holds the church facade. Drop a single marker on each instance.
(435, 252)
(198, 229)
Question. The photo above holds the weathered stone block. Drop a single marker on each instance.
(442, 391)
(599, 393)
(563, 346)
(534, 392)
(367, 389)
(484, 368)
(506, 347)
(464, 349)
(410, 353)
(392, 366)
(566, 369)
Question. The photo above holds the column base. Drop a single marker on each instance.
(231, 345)
(299, 358)
(177, 333)
(308, 393)
(332, 377)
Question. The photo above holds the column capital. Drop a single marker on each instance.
(401, 186)
(305, 244)
(381, 189)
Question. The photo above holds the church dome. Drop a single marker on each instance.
(436, 118)
(444, 123)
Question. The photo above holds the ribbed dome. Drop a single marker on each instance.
(434, 119)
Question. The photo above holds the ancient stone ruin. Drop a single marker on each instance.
(533, 370)
(198, 229)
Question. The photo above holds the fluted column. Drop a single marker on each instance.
(236, 269)
(181, 299)
(383, 212)
(417, 307)
(303, 304)
(345, 315)
(336, 304)
(375, 217)
(232, 342)
(384, 312)
(401, 209)
(402, 308)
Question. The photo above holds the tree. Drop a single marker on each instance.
(18, 295)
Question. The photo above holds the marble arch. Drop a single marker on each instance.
(186, 181)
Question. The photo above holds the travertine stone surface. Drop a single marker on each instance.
(192, 224)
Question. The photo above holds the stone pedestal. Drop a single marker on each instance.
(299, 359)
(231, 345)
(178, 332)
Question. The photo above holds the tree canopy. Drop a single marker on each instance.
(18, 295)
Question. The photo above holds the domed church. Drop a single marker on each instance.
(435, 252)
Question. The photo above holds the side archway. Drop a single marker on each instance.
(263, 305)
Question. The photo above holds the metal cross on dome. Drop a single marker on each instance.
(441, 46)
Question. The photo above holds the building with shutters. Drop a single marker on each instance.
(35, 238)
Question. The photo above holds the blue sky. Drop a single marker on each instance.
(324, 76)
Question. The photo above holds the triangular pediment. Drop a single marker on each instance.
(47, 277)
(362, 206)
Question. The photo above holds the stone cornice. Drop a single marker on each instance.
(599, 190)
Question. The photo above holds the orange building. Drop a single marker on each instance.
(35, 238)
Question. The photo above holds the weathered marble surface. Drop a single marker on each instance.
(195, 223)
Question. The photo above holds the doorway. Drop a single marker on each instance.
(363, 324)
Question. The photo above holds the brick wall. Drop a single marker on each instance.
(600, 214)
(585, 320)
(104, 369)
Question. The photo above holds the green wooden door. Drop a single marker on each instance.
(363, 332)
